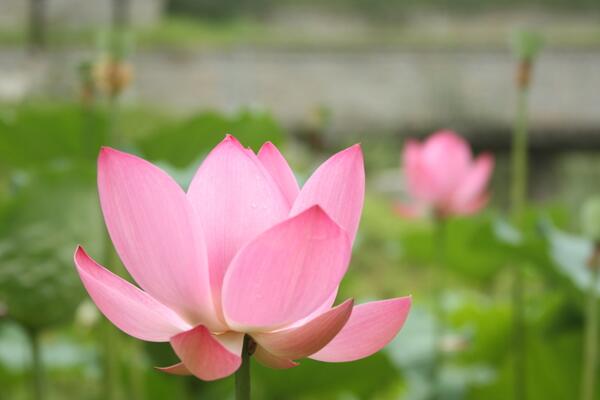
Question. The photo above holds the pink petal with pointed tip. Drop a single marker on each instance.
(176, 369)
(280, 170)
(286, 272)
(236, 199)
(130, 309)
(370, 327)
(204, 355)
(300, 342)
(472, 187)
(269, 360)
(338, 186)
(156, 234)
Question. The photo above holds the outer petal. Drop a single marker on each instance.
(156, 234)
(207, 356)
(420, 184)
(338, 186)
(370, 328)
(176, 369)
(472, 187)
(130, 309)
(269, 360)
(280, 170)
(472, 207)
(236, 199)
(445, 157)
(286, 272)
(325, 306)
(300, 342)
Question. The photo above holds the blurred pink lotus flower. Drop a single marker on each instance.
(443, 177)
(244, 251)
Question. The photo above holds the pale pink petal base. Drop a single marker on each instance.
(300, 342)
(205, 356)
(371, 326)
(130, 309)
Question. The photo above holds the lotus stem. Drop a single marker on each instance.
(518, 203)
(590, 349)
(242, 375)
(439, 282)
(110, 341)
(37, 364)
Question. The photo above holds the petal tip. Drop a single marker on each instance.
(107, 151)
(229, 138)
(355, 149)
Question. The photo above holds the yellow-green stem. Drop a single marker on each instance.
(110, 342)
(37, 366)
(518, 203)
(590, 349)
(439, 320)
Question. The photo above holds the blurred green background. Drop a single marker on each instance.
(167, 79)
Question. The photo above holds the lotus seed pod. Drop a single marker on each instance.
(526, 45)
(112, 76)
(590, 218)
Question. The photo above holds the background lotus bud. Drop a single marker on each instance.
(525, 47)
(112, 75)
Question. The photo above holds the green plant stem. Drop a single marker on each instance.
(136, 373)
(518, 203)
(112, 135)
(110, 341)
(37, 364)
(242, 376)
(519, 157)
(590, 350)
(439, 323)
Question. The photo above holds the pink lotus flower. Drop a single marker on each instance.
(443, 177)
(244, 251)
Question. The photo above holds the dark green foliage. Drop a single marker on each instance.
(184, 142)
(35, 135)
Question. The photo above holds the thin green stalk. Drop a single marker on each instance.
(439, 283)
(110, 361)
(519, 156)
(242, 376)
(590, 350)
(37, 365)
(518, 202)
(112, 136)
(110, 342)
(136, 372)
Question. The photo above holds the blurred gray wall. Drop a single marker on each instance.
(371, 91)
(79, 13)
